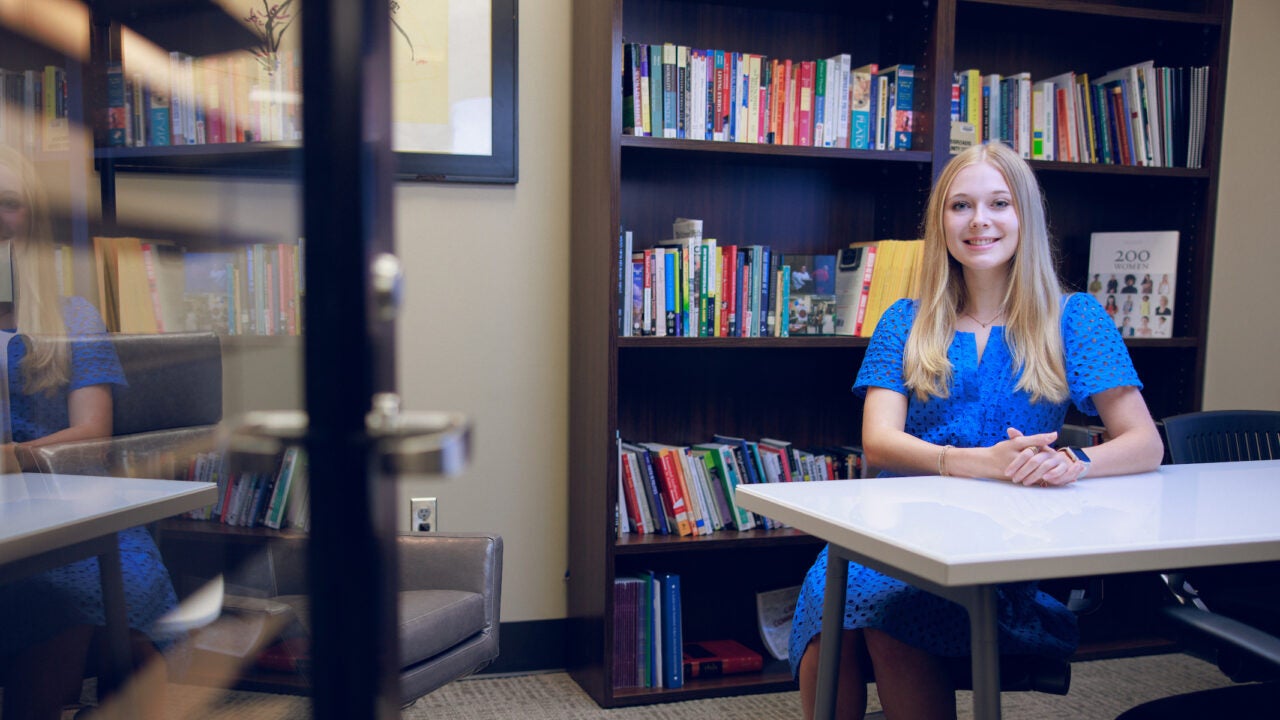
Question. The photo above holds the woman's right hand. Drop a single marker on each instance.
(1030, 459)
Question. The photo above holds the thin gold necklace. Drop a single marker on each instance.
(986, 324)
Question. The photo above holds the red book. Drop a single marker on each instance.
(672, 491)
(712, 658)
(729, 306)
(804, 114)
(1063, 124)
(632, 501)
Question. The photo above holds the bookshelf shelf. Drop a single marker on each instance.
(1115, 10)
(812, 341)
(681, 391)
(232, 159)
(784, 151)
(657, 544)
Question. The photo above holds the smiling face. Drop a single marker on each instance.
(980, 221)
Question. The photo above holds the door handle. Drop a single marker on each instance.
(408, 441)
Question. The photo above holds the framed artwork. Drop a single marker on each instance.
(453, 109)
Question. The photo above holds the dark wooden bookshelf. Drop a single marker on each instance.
(810, 200)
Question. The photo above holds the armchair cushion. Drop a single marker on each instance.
(449, 603)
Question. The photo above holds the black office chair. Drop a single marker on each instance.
(1230, 613)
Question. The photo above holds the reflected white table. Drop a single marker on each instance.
(49, 520)
(959, 537)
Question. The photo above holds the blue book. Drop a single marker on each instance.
(903, 104)
(655, 90)
(673, 277)
(672, 632)
(765, 271)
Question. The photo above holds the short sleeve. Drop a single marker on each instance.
(882, 365)
(1096, 357)
(93, 357)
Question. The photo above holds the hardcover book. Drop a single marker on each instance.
(1133, 275)
(712, 658)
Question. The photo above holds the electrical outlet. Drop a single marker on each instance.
(423, 514)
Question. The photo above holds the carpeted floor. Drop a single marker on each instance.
(1100, 689)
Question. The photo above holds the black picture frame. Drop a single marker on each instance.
(502, 166)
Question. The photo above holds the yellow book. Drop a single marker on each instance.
(883, 283)
(133, 288)
(104, 272)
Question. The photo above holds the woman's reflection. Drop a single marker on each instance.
(60, 369)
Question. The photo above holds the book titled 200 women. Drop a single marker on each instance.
(1134, 276)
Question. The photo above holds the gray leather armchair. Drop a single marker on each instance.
(450, 601)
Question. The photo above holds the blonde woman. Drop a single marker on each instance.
(60, 369)
(973, 380)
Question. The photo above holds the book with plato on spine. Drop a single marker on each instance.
(1133, 275)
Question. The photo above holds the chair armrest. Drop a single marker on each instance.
(1260, 645)
(160, 454)
(471, 562)
(450, 561)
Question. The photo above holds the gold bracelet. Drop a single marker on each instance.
(942, 460)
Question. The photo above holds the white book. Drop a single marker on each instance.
(1134, 276)
(1066, 84)
(1151, 110)
(991, 94)
(843, 63)
(1024, 114)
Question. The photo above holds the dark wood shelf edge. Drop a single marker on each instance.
(204, 529)
(1092, 8)
(790, 151)
(1130, 647)
(828, 341)
(720, 540)
(773, 679)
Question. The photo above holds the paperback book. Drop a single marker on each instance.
(1133, 275)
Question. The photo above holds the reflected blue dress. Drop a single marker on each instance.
(36, 608)
(982, 404)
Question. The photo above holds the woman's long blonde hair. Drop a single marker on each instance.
(1032, 303)
(37, 303)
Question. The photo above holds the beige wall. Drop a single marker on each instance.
(485, 331)
(1244, 327)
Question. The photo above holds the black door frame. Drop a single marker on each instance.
(347, 171)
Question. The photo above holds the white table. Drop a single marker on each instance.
(959, 537)
(50, 520)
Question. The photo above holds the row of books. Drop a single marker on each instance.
(676, 91)
(692, 286)
(276, 499)
(1139, 114)
(150, 286)
(34, 110)
(690, 489)
(195, 101)
(649, 648)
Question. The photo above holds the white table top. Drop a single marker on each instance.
(956, 531)
(41, 512)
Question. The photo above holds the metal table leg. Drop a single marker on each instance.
(832, 628)
(984, 650)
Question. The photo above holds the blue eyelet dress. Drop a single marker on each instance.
(36, 608)
(982, 404)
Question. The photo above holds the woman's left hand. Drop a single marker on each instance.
(1042, 466)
